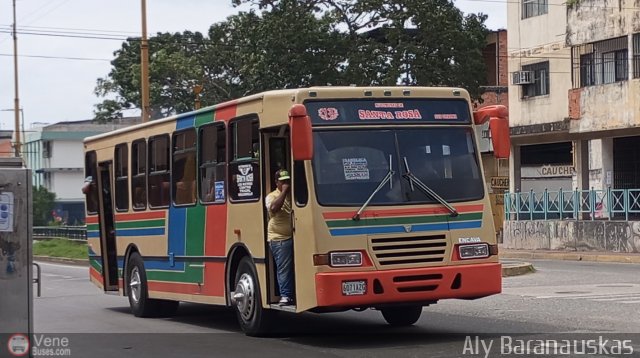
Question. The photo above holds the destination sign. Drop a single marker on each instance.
(389, 111)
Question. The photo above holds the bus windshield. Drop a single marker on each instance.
(349, 164)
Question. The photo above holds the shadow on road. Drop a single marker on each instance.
(345, 330)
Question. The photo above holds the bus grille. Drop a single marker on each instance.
(409, 250)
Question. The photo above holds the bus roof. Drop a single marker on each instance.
(320, 92)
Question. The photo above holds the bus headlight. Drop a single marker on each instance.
(475, 251)
(342, 259)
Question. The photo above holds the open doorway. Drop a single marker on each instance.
(108, 246)
(276, 145)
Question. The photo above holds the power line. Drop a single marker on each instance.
(58, 57)
(66, 35)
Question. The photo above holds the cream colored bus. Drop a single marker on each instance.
(390, 209)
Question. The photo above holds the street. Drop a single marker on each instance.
(562, 300)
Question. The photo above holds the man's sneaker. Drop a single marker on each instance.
(285, 301)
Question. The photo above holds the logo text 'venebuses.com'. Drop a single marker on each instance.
(19, 345)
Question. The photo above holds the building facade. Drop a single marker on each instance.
(574, 94)
(495, 92)
(540, 78)
(6, 144)
(55, 153)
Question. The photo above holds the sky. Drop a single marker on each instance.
(57, 74)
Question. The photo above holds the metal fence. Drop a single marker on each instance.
(66, 232)
(610, 204)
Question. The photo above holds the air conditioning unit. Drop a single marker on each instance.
(522, 78)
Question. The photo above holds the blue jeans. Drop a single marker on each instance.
(282, 251)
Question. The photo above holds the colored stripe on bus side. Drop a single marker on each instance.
(401, 229)
(185, 122)
(403, 221)
(400, 212)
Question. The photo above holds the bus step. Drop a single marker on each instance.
(290, 308)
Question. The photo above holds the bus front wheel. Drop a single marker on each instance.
(138, 292)
(246, 298)
(401, 315)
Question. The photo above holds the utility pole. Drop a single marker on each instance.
(16, 101)
(196, 90)
(144, 59)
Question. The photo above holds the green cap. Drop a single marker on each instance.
(283, 175)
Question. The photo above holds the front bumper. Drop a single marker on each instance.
(410, 285)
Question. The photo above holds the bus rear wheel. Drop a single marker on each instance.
(138, 292)
(402, 315)
(247, 301)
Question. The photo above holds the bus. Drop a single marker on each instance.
(389, 204)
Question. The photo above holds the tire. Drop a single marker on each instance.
(138, 293)
(402, 315)
(247, 301)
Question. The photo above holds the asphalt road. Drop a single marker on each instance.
(574, 301)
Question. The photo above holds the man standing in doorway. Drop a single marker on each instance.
(280, 234)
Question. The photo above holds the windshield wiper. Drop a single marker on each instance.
(384, 181)
(425, 189)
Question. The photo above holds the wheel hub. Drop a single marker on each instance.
(135, 285)
(244, 296)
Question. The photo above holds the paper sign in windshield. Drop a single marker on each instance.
(355, 169)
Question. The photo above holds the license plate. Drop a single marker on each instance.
(351, 288)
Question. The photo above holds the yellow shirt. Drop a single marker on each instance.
(280, 226)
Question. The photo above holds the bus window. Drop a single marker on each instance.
(139, 174)
(213, 157)
(158, 171)
(184, 167)
(244, 169)
(90, 170)
(121, 156)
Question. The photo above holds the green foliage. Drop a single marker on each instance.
(43, 203)
(299, 43)
(61, 248)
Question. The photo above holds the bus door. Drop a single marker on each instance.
(277, 147)
(107, 228)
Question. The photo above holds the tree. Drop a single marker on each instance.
(299, 43)
(175, 67)
(43, 203)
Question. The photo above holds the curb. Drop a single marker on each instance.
(61, 260)
(571, 256)
(517, 269)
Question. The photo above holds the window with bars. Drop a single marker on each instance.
(531, 8)
(601, 62)
(540, 85)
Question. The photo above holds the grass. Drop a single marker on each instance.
(60, 248)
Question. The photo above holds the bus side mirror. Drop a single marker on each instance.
(498, 117)
(300, 129)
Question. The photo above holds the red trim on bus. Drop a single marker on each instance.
(95, 274)
(142, 215)
(215, 245)
(175, 287)
(91, 219)
(401, 212)
(410, 285)
(225, 111)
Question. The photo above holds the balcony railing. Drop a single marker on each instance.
(610, 204)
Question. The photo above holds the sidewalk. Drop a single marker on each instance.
(593, 256)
